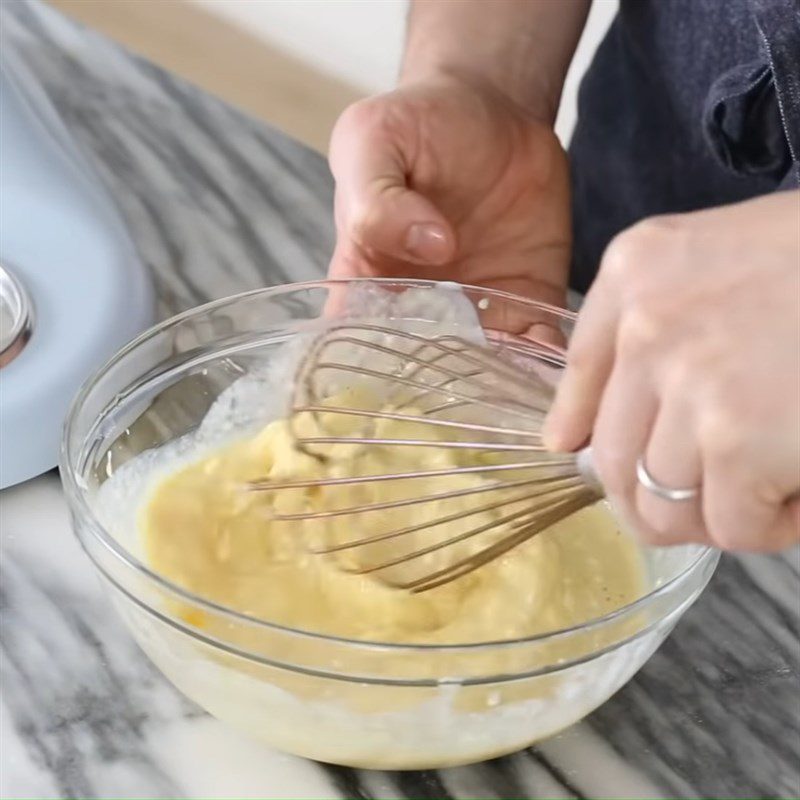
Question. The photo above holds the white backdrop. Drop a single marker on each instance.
(360, 41)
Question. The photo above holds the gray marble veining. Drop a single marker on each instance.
(218, 203)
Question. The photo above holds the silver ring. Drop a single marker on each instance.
(664, 492)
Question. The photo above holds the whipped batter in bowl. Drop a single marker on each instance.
(203, 528)
(237, 612)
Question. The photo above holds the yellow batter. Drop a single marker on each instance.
(207, 531)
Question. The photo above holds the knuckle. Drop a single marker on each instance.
(684, 370)
(676, 376)
(629, 253)
(722, 435)
(361, 114)
(362, 224)
(731, 402)
(382, 119)
(645, 531)
(648, 536)
(732, 533)
(622, 255)
(727, 533)
(613, 467)
(670, 522)
(640, 330)
(659, 236)
(580, 354)
(658, 227)
(359, 226)
(659, 519)
(349, 127)
(739, 510)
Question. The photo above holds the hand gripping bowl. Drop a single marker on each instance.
(366, 704)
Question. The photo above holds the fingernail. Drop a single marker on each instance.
(427, 242)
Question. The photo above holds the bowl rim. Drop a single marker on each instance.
(77, 496)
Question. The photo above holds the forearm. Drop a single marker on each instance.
(521, 47)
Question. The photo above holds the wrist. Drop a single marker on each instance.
(517, 80)
(526, 91)
(519, 48)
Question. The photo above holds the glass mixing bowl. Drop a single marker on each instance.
(365, 704)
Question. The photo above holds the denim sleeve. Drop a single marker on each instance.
(687, 104)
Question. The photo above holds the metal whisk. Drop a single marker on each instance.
(485, 400)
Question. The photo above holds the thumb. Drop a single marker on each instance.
(375, 208)
(786, 531)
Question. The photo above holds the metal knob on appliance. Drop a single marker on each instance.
(16, 317)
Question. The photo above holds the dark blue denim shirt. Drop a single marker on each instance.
(687, 104)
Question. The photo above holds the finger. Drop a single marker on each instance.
(343, 265)
(624, 421)
(538, 318)
(785, 530)
(549, 335)
(376, 209)
(738, 516)
(672, 459)
(590, 359)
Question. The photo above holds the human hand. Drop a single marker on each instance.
(448, 179)
(687, 353)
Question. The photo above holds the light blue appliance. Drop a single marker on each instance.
(72, 290)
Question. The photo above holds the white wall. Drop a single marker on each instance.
(600, 17)
(360, 41)
(357, 40)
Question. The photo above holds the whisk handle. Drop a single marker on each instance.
(585, 463)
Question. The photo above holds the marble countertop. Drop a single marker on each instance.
(218, 203)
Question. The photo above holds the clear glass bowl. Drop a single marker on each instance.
(356, 703)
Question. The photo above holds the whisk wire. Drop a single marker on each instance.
(425, 420)
(529, 512)
(435, 383)
(459, 348)
(386, 505)
(382, 537)
(267, 485)
(468, 564)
